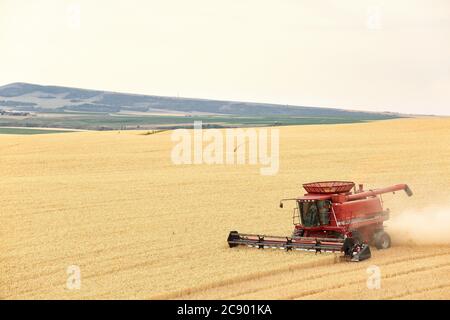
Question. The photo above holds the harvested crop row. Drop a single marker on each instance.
(305, 282)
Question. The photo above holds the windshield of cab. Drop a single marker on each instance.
(314, 212)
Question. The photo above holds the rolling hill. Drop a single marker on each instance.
(32, 97)
(94, 109)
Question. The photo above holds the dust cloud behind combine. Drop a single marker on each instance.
(425, 226)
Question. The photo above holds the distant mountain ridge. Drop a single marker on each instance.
(42, 98)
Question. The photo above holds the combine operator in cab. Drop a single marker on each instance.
(314, 212)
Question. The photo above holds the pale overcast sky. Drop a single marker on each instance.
(360, 54)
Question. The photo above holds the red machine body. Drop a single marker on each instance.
(345, 214)
(330, 217)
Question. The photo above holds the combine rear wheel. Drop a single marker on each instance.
(382, 240)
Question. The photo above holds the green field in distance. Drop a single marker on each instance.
(26, 131)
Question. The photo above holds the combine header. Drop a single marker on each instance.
(330, 218)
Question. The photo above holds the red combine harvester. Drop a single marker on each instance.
(331, 218)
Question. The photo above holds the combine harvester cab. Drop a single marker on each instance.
(330, 218)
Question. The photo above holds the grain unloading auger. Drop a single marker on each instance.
(330, 218)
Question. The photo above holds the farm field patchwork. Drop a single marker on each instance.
(139, 226)
(117, 121)
(27, 131)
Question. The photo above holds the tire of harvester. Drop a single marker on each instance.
(382, 240)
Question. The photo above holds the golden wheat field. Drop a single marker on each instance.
(139, 226)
